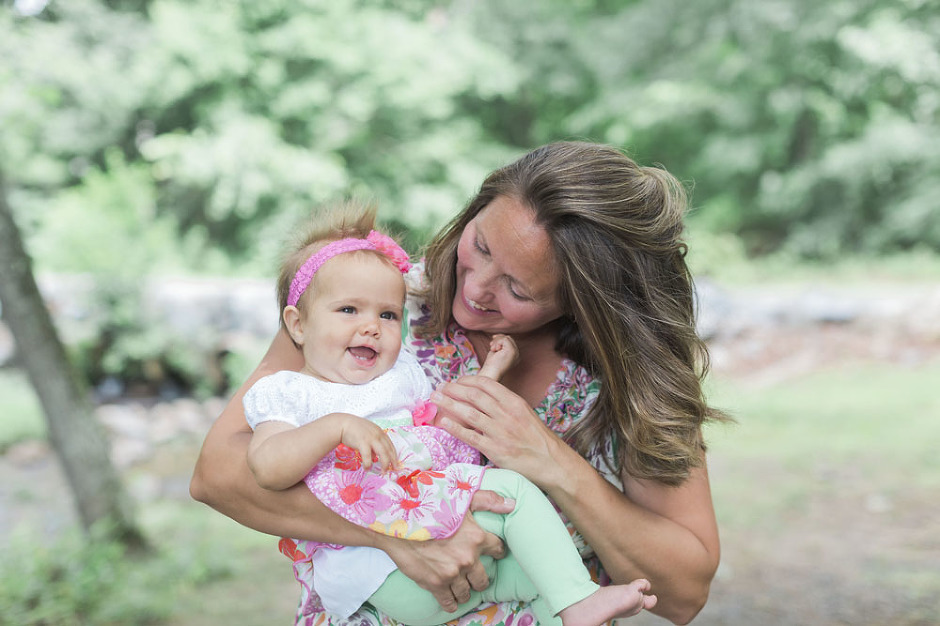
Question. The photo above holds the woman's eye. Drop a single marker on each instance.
(515, 294)
(480, 248)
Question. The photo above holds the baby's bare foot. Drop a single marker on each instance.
(607, 603)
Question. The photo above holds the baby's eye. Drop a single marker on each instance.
(347, 309)
(389, 315)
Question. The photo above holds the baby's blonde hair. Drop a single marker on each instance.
(353, 218)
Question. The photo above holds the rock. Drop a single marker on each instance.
(212, 408)
(163, 425)
(110, 389)
(125, 421)
(878, 503)
(190, 416)
(817, 306)
(128, 452)
(713, 305)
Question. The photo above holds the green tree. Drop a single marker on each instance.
(805, 126)
(808, 126)
(262, 110)
(248, 114)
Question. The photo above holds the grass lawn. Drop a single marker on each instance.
(247, 580)
(869, 427)
(827, 491)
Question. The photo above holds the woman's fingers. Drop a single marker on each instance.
(497, 422)
(474, 412)
(446, 599)
(477, 578)
(487, 500)
(453, 404)
(461, 590)
(479, 392)
(492, 546)
(474, 438)
(448, 568)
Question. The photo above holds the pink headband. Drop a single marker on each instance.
(374, 241)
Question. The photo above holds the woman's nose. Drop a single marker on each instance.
(479, 282)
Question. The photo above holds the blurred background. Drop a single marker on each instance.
(154, 155)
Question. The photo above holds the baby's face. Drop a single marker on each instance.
(352, 325)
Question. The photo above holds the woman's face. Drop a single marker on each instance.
(506, 276)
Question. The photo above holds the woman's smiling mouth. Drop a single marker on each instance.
(476, 307)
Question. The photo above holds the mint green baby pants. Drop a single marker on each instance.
(542, 565)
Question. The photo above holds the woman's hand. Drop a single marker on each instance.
(450, 567)
(674, 539)
(501, 425)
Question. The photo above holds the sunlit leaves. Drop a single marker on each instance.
(804, 125)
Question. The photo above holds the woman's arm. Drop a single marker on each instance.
(665, 534)
(222, 480)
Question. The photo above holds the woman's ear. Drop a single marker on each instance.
(294, 323)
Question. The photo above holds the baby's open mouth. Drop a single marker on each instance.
(362, 353)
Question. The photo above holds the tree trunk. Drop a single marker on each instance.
(77, 437)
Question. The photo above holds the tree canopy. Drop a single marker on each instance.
(197, 132)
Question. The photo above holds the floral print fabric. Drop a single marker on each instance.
(425, 498)
(570, 396)
(430, 492)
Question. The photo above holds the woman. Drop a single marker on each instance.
(576, 252)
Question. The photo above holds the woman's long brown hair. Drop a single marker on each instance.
(626, 292)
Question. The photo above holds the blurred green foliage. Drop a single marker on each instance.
(130, 348)
(155, 136)
(189, 128)
(66, 579)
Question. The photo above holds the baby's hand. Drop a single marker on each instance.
(500, 343)
(503, 354)
(370, 441)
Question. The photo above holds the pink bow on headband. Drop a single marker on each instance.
(374, 241)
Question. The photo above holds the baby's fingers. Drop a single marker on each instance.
(383, 453)
(392, 454)
(367, 456)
